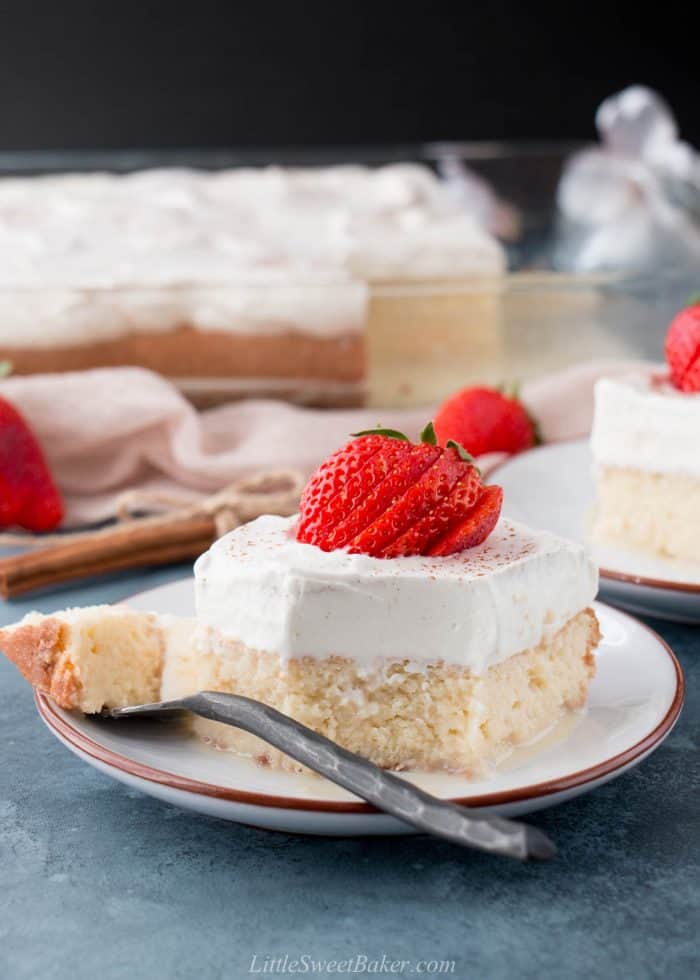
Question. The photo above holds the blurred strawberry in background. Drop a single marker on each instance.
(486, 420)
(29, 497)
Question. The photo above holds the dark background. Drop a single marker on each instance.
(102, 74)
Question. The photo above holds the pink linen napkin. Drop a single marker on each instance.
(116, 429)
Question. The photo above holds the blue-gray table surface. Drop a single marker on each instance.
(100, 881)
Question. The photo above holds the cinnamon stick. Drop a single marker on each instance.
(151, 541)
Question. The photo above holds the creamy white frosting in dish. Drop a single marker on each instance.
(91, 256)
(260, 586)
(643, 422)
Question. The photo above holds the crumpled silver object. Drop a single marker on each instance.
(633, 202)
(470, 193)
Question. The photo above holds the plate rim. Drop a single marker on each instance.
(77, 739)
(627, 577)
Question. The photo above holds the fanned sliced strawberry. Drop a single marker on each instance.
(682, 349)
(453, 509)
(430, 490)
(385, 497)
(475, 527)
(331, 479)
(406, 471)
(375, 472)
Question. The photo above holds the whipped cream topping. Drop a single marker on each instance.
(644, 422)
(85, 257)
(260, 586)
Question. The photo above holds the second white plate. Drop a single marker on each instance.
(552, 488)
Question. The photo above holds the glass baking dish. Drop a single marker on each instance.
(414, 338)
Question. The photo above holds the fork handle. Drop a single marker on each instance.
(383, 789)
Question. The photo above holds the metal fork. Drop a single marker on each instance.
(382, 789)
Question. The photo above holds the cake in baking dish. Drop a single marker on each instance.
(397, 614)
(304, 283)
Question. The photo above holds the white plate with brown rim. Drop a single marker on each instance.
(634, 701)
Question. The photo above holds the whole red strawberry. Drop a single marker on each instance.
(485, 420)
(683, 349)
(384, 496)
(28, 495)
